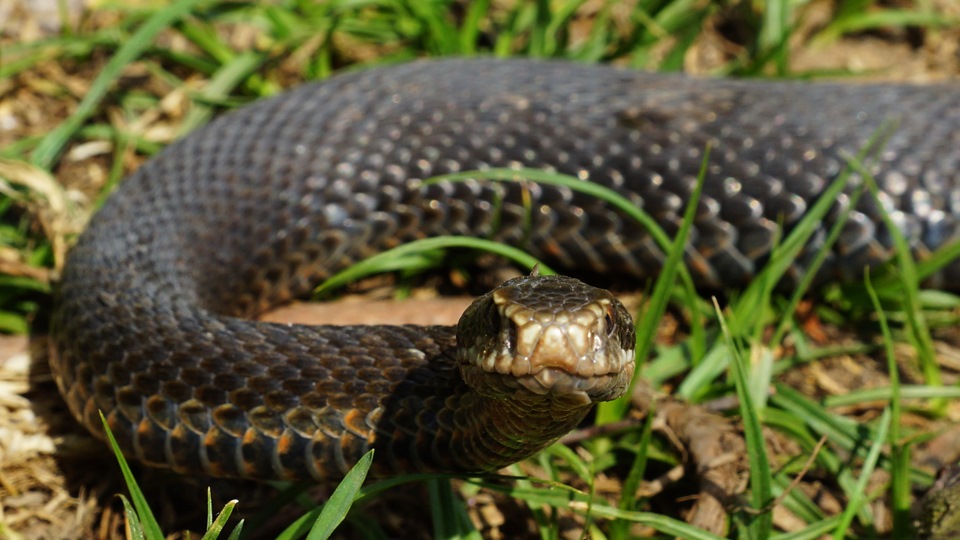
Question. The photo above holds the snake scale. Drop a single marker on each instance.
(153, 316)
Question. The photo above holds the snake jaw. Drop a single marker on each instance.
(548, 335)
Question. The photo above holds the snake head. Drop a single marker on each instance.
(549, 336)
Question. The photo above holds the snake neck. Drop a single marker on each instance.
(476, 433)
(513, 430)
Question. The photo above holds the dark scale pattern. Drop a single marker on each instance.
(261, 204)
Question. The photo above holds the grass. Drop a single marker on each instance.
(200, 54)
(142, 524)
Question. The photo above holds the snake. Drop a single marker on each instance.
(155, 318)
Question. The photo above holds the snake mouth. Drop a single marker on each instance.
(549, 335)
(599, 375)
(554, 381)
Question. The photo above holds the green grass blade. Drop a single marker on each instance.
(576, 463)
(441, 37)
(215, 527)
(151, 529)
(206, 39)
(775, 32)
(603, 193)
(450, 519)
(470, 29)
(899, 452)
(842, 431)
(638, 467)
(564, 497)
(649, 323)
(133, 524)
(209, 509)
(859, 495)
(397, 258)
(13, 323)
(909, 287)
(761, 483)
(755, 299)
(865, 19)
(807, 280)
(220, 86)
(538, 31)
(337, 506)
(815, 531)
(235, 533)
(886, 393)
(940, 258)
(47, 151)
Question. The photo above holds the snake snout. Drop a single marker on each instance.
(550, 335)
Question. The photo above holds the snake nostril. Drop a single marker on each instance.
(608, 321)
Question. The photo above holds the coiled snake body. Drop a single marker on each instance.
(151, 319)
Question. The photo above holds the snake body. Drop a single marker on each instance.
(151, 323)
